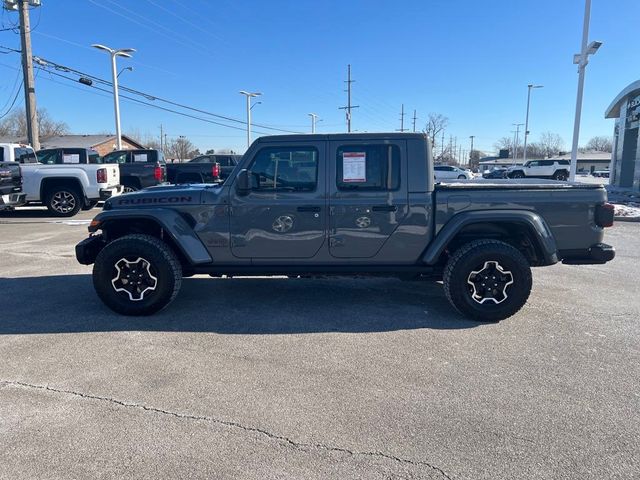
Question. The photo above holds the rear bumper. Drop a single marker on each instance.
(107, 193)
(596, 254)
(12, 200)
(87, 250)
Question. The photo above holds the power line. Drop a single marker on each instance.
(135, 100)
(43, 62)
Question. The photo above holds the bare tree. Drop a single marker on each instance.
(551, 144)
(505, 143)
(181, 148)
(15, 124)
(600, 143)
(436, 124)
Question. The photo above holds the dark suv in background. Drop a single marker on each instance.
(138, 168)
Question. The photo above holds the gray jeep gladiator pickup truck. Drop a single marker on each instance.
(345, 204)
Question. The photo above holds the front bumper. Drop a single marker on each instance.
(88, 249)
(12, 200)
(595, 255)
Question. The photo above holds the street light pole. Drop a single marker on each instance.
(121, 52)
(581, 59)
(526, 122)
(313, 121)
(249, 96)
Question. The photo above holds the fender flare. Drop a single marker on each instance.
(171, 222)
(534, 223)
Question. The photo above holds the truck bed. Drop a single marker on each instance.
(521, 184)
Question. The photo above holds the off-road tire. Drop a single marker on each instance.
(163, 264)
(54, 195)
(472, 256)
(561, 175)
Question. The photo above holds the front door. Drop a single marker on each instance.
(367, 195)
(283, 216)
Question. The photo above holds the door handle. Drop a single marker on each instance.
(384, 208)
(308, 208)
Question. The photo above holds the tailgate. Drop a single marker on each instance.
(113, 174)
(10, 178)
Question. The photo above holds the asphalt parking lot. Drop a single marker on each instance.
(258, 378)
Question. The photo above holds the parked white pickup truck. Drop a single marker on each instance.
(66, 188)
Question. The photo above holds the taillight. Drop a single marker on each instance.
(157, 173)
(215, 170)
(604, 215)
(101, 175)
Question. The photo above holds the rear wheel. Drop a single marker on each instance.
(129, 189)
(461, 177)
(63, 201)
(137, 275)
(561, 175)
(517, 175)
(487, 280)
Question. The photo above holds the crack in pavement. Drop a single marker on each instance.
(227, 423)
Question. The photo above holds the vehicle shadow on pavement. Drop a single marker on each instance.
(68, 304)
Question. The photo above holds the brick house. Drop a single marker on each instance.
(103, 144)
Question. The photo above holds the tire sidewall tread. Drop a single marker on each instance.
(163, 260)
(456, 273)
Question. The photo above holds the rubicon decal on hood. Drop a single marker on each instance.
(152, 200)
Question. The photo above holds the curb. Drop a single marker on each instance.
(626, 219)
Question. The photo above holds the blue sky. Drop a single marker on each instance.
(468, 60)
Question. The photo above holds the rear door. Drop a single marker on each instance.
(283, 216)
(367, 195)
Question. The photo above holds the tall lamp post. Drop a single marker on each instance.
(121, 52)
(526, 122)
(314, 119)
(249, 96)
(581, 59)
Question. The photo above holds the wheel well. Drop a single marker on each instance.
(132, 181)
(519, 235)
(113, 230)
(49, 183)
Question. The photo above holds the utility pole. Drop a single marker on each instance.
(526, 122)
(313, 121)
(471, 151)
(442, 145)
(402, 129)
(516, 134)
(161, 135)
(33, 133)
(348, 107)
(414, 121)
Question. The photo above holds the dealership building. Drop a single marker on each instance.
(625, 161)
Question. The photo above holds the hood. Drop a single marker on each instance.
(161, 196)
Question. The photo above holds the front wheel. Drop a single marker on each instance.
(461, 177)
(137, 275)
(487, 280)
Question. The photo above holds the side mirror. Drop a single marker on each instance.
(243, 182)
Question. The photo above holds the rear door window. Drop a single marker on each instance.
(368, 167)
